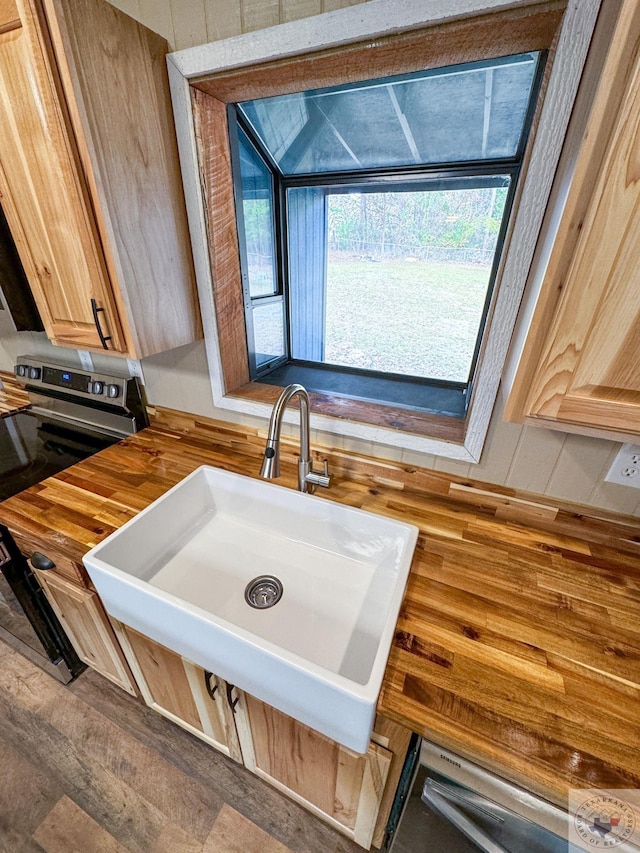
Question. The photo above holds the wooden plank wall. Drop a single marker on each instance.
(186, 23)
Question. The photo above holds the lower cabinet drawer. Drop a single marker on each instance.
(75, 572)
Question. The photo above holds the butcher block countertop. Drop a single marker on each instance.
(518, 642)
(12, 396)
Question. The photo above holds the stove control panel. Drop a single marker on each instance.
(100, 402)
(40, 376)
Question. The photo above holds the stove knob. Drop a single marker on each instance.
(95, 387)
(34, 373)
(113, 390)
(21, 369)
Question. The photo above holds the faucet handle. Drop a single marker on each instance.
(319, 478)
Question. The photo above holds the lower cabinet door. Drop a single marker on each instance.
(88, 627)
(342, 787)
(185, 693)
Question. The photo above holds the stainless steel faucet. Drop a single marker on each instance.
(308, 479)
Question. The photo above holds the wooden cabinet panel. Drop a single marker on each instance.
(163, 676)
(587, 359)
(90, 180)
(69, 569)
(9, 18)
(343, 787)
(88, 627)
(183, 692)
(44, 194)
(114, 76)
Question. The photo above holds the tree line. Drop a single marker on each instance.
(393, 224)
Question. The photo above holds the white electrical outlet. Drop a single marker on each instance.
(626, 467)
(135, 369)
(86, 362)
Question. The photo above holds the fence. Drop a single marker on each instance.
(395, 251)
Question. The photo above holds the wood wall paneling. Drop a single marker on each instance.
(259, 14)
(189, 22)
(181, 23)
(224, 19)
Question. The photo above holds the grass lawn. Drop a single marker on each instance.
(413, 317)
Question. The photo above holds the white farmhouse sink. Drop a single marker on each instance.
(177, 572)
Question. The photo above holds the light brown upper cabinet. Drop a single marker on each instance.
(89, 177)
(580, 367)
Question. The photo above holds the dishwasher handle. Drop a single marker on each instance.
(456, 817)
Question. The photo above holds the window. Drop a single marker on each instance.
(371, 218)
(366, 42)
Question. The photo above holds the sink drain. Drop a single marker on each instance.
(263, 592)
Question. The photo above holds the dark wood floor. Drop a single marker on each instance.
(87, 768)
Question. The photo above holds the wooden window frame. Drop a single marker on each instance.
(299, 56)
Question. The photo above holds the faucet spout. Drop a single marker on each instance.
(308, 479)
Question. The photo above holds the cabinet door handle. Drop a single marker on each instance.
(232, 702)
(211, 689)
(96, 319)
(42, 562)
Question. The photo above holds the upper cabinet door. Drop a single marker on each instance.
(90, 177)
(44, 195)
(114, 77)
(581, 364)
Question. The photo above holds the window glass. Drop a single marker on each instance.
(257, 211)
(460, 113)
(268, 331)
(390, 198)
(407, 276)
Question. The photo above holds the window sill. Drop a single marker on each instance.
(387, 390)
(336, 413)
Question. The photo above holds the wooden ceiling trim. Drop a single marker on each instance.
(511, 32)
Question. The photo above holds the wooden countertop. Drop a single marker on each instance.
(518, 642)
(12, 396)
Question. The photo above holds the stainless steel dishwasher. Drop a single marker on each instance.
(455, 806)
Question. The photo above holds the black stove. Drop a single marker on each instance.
(33, 448)
(72, 415)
